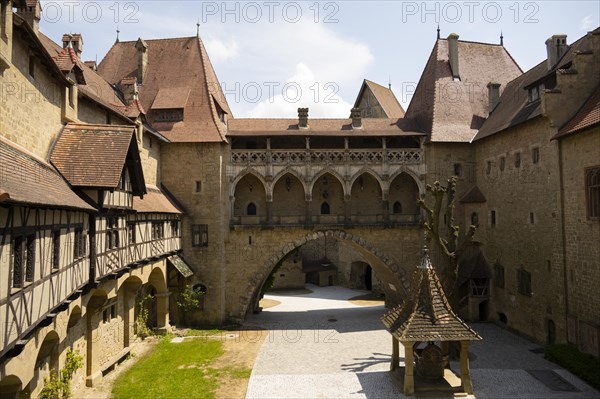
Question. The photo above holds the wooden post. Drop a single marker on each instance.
(465, 374)
(409, 377)
(395, 354)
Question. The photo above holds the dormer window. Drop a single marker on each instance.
(168, 115)
(536, 92)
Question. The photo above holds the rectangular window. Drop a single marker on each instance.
(499, 275)
(30, 267)
(131, 234)
(502, 163)
(517, 159)
(524, 282)
(168, 115)
(175, 228)
(158, 230)
(17, 272)
(457, 169)
(531, 218)
(592, 192)
(493, 218)
(56, 249)
(112, 233)
(200, 235)
(535, 155)
(488, 167)
(78, 244)
(198, 186)
(32, 66)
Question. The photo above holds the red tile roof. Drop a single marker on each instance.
(95, 155)
(426, 315)
(323, 127)
(29, 180)
(453, 111)
(587, 116)
(192, 70)
(385, 97)
(155, 201)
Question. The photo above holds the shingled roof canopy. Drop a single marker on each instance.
(95, 156)
(586, 117)
(426, 315)
(27, 179)
(155, 201)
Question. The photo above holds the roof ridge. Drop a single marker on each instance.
(156, 40)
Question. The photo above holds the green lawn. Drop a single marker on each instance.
(173, 371)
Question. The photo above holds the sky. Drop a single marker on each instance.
(272, 57)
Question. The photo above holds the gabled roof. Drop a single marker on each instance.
(155, 201)
(385, 97)
(174, 63)
(95, 156)
(323, 127)
(95, 87)
(453, 111)
(474, 195)
(426, 315)
(67, 61)
(587, 116)
(29, 180)
(514, 107)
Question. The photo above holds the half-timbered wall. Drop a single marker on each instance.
(121, 197)
(43, 260)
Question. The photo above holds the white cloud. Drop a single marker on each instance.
(587, 23)
(219, 51)
(303, 89)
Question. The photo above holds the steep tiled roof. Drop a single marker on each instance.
(426, 315)
(453, 110)
(95, 155)
(323, 127)
(385, 97)
(514, 107)
(191, 71)
(95, 87)
(155, 201)
(27, 179)
(587, 116)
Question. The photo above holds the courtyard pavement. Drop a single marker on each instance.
(319, 345)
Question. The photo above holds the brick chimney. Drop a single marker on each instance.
(356, 119)
(93, 65)
(76, 42)
(303, 118)
(556, 46)
(129, 88)
(30, 11)
(493, 95)
(142, 49)
(453, 54)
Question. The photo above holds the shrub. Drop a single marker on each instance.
(58, 386)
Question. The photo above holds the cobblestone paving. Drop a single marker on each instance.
(322, 346)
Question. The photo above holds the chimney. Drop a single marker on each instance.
(76, 42)
(30, 11)
(129, 88)
(142, 49)
(356, 120)
(556, 46)
(493, 95)
(303, 118)
(453, 55)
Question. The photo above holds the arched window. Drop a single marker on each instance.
(325, 210)
(397, 207)
(251, 209)
(475, 219)
(592, 190)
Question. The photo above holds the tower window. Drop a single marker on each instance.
(251, 209)
(499, 275)
(535, 155)
(397, 207)
(502, 163)
(592, 192)
(517, 159)
(524, 282)
(531, 218)
(493, 218)
(198, 186)
(457, 169)
(488, 167)
(325, 210)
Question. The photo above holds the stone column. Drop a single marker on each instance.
(162, 311)
(465, 374)
(128, 315)
(307, 212)
(395, 354)
(409, 377)
(386, 206)
(270, 211)
(347, 209)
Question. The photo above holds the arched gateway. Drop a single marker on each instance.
(390, 268)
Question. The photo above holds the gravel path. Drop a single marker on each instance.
(322, 346)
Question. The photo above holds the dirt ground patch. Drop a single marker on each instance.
(266, 303)
(367, 300)
(303, 291)
(238, 360)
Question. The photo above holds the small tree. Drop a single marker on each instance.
(141, 321)
(190, 297)
(450, 244)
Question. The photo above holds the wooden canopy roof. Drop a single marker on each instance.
(426, 315)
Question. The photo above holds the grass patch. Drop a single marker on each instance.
(192, 332)
(172, 371)
(582, 365)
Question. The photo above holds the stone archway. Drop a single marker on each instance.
(395, 287)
